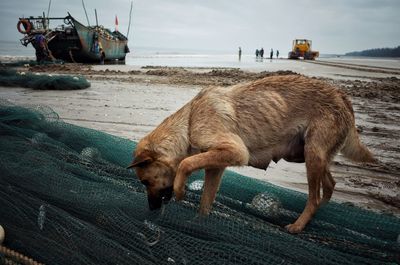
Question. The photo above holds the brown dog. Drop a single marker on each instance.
(292, 117)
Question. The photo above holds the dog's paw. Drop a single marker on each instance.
(294, 229)
(179, 193)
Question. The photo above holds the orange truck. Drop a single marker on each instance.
(301, 48)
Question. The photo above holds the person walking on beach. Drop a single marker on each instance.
(240, 54)
(257, 53)
(271, 54)
(262, 53)
(277, 54)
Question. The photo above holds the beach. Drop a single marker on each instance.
(131, 100)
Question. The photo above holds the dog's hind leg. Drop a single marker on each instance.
(316, 165)
(212, 180)
(328, 185)
(321, 142)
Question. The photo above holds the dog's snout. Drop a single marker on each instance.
(166, 194)
(154, 202)
(157, 199)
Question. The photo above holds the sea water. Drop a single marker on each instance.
(15, 49)
(151, 56)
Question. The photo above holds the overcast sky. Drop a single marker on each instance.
(334, 26)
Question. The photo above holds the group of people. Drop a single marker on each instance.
(260, 53)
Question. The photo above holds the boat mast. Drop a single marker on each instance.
(48, 13)
(130, 16)
(44, 21)
(95, 13)
(84, 8)
(48, 9)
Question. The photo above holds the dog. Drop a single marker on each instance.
(292, 117)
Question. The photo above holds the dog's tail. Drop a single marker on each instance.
(355, 150)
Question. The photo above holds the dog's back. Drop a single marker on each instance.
(271, 115)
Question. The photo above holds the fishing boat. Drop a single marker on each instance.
(71, 41)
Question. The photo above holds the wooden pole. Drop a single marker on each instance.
(48, 9)
(95, 13)
(48, 13)
(130, 16)
(84, 8)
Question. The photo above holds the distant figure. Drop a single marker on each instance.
(262, 52)
(42, 51)
(100, 46)
(102, 53)
(96, 48)
(240, 54)
(271, 54)
(96, 44)
(257, 53)
(102, 56)
(277, 54)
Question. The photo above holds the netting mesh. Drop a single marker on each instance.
(10, 77)
(66, 198)
(20, 63)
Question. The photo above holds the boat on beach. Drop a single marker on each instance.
(71, 41)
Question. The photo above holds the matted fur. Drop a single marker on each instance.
(291, 117)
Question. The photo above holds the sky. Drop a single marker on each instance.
(334, 26)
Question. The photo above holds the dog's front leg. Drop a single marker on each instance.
(212, 180)
(227, 154)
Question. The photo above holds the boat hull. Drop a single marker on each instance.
(75, 42)
(114, 49)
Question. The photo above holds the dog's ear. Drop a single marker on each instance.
(141, 160)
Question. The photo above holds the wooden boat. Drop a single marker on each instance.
(74, 42)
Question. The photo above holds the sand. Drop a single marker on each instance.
(131, 101)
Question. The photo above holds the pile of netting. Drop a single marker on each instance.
(26, 63)
(14, 78)
(66, 197)
(18, 63)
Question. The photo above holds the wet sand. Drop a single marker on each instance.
(131, 101)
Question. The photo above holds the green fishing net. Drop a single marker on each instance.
(13, 78)
(20, 63)
(67, 198)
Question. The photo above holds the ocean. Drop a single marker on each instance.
(15, 48)
(143, 56)
(149, 56)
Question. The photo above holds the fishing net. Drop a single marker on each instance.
(18, 63)
(21, 63)
(11, 77)
(66, 198)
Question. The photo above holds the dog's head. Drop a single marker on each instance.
(156, 174)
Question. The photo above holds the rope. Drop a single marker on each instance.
(70, 55)
(13, 256)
